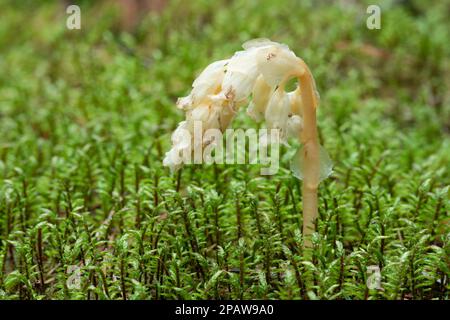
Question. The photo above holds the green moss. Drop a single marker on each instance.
(86, 116)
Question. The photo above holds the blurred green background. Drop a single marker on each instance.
(86, 116)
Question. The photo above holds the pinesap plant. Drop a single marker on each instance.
(261, 71)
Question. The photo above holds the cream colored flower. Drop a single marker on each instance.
(277, 112)
(296, 102)
(208, 83)
(277, 64)
(259, 71)
(181, 141)
(261, 95)
(294, 126)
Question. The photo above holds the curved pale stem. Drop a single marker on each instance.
(309, 139)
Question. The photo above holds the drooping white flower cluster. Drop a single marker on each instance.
(261, 71)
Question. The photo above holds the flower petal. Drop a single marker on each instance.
(294, 126)
(277, 112)
(259, 42)
(277, 64)
(325, 168)
(241, 74)
(260, 97)
(208, 82)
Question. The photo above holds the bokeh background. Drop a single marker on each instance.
(88, 212)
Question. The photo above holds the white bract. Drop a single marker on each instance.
(261, 71)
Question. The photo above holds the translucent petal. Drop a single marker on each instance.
(211, 71)
(259, 42)
(238, 85)
(277, 112)
(241, 75)
(184, 103)
(276, 64)
(181, 136)
(207, 82)
(326, 165)
(296, 101)
(294, 126)
(261, 95)
(200, 113)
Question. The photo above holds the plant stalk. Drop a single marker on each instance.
(309, 139)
